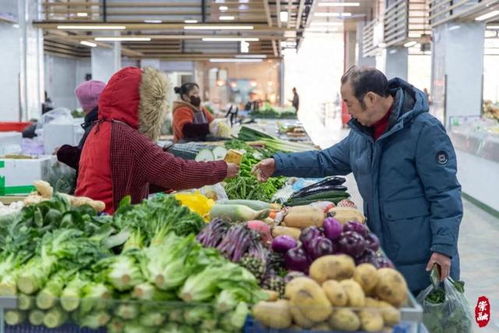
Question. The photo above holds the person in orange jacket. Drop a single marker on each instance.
(191, 122)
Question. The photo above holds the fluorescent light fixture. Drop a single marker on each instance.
(244, 47)
(487, 16)
(454, 27)
(82, 14)
(226, 18)
(153, 21)
(90, 27)
(191, 21)
(410, 44)
(382, 45)
(322, 29)
(87, 43)
(339, 4)
(230, 39)
(493, 27)
(326, 24)
(254, 56)
(235, 60)
(218, 27)
(243, 7)
(223, 8)
(392, 51)
(333, 14)
(122, 39)
(284, 16)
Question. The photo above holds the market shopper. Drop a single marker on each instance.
(405, 167)
(295, 102)
(120, 156)
(87, 94)
(191, 122)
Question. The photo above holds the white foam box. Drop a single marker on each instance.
(17, 175)
(56, 135)
(10, 142)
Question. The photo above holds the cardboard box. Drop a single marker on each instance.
(17, 175)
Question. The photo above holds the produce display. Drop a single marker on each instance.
(67, 263)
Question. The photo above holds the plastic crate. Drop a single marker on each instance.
(13, 126)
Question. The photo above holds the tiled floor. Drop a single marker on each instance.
(478, 239)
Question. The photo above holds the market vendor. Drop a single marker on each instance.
(87, 94)
(191, 122)
(405, 167)
(120, 156)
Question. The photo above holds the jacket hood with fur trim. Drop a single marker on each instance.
(137, 97)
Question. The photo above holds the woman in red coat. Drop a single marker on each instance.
(120, 156)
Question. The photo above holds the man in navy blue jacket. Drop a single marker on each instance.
(405, 167)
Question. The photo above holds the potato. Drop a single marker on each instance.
(44, 188)
(309, 297)
(371, 320)
(299, 319)
(335, 293)
(344, 320)
(391, 287)
(371, 303)
(292, 232)
(273, 314)
(391, 316)
(355, 294)
(346, 214)
(272, 295)
(367, 276)
(321, 327)
(332, 267)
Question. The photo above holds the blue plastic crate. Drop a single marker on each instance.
(253, 326)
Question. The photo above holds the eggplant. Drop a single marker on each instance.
(296, 260)
(356, 227)
(321, 246)
(307, 237)
(372, 241)
(324, 188)
(332, 228)
(352, 243)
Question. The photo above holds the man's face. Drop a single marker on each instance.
(362, 112)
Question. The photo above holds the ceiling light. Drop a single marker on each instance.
(410, 44)
(191, 21)
(90, 27)
(254, 56)
(87, 43)
(230, 39)
(322, 29)
(82, 14)
(487, 16)
(223, 8)
(284, 16)
(326, 24)
(243, 1)
(493, 27)
(226, 18)
(122, 39)
(454, 27)
(218, 27)
(382, 45)
(235, 60)
(243, 7)
(333, 14)
(153, 21)
(244, 47)
(339, 4)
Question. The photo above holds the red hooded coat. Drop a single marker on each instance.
(120, 157)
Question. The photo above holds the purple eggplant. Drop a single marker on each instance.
(283, 243)
(382, 262)
(320, 246)
(296, 260)
(308, 235)
(332, 228)
(356, 227)
(368, 257)
(372, 241)
(352, 243)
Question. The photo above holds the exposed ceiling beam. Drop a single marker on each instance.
(278, 12)
(178, 37)
(290, 5)
(267, 12)
(274, 47)
(300, 12)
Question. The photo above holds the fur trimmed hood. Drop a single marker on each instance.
(138, 98)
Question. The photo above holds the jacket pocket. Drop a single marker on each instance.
(408, 231)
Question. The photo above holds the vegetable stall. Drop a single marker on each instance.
(244, 260)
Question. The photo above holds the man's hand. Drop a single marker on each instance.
(441, 260)
(232, 170)
(264, 170)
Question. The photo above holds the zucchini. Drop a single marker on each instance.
(325, 195)
(307, 200)
(319, 189)
(253, 204)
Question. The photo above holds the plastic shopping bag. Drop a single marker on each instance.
(445, 309)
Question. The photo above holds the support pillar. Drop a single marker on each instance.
(106, 61)
(396, 62)
(457, 69)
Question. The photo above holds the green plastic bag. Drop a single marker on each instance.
(445, 308)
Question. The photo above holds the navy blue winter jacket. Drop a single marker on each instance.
(407, 179)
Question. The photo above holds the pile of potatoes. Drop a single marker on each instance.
(338, 296)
